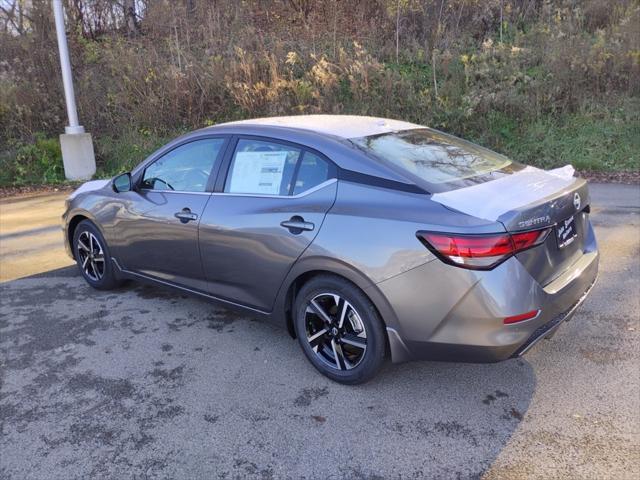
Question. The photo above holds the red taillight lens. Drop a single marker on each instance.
(480, 251)
(470, 247)
(524, 240)
(522, 317)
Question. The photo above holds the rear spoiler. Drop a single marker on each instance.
(491, 200)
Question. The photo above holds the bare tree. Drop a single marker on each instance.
(129, 7)
(435, 45)
(12, 17)
(303, 7)
(191, 7)
(397, 30)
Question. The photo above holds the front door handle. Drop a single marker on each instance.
(296, 225)
(185, 215)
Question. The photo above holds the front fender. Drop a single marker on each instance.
(90, 201)
(70, 219)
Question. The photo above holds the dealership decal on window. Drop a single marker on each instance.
(258, 172)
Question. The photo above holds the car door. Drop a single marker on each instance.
(158, 224)
(263, 215)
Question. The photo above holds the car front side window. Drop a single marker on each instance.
(186, 168)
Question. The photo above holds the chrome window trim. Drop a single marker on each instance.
(174, 191)
(138, 172)
(324, 184)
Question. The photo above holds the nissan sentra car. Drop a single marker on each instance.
(364, 237)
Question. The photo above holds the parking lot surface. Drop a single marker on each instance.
(144, 382)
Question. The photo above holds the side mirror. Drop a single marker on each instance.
(122, 183)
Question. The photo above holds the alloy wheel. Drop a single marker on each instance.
(91, 256)
(335, 331)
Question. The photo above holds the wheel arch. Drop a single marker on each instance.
(73, 224)
(74, 220)
(309, 268)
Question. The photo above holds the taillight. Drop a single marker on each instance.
(480, 252)
(522, 317)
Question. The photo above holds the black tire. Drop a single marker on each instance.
(341, 354)
(96, 267)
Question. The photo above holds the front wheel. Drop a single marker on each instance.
(339, 330)
(92, 256)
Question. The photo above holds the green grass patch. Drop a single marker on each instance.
(120, 154)
(39, 162)
(602, 140)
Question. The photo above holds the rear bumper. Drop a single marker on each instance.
(549, 329)
(450, 314)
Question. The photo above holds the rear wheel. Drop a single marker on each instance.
(339, 330)
(92, 256)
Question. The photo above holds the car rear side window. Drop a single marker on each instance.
(433, 156)
(313, 170)
(262, 168)
(186, 168)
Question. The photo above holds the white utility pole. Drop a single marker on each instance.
(77, 146)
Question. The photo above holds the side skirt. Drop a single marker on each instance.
(225, 303)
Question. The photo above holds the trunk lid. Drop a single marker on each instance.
(533, 199)
(548, 210)
(566, 212)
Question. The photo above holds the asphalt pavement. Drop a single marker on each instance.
(144, 382)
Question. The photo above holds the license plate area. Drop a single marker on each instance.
(566, 232)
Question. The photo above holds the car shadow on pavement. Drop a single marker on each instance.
(146, 382)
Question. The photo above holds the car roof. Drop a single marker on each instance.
(341, 126)
(328, 134)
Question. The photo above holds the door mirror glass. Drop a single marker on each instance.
(122, 183)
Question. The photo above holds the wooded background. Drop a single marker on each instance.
(547, 82)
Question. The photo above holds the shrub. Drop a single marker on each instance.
(32, 163)
(505, 72)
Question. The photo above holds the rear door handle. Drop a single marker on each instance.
(296, 224)
(185, 215)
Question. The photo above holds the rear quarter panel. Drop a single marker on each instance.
(374, 229)
(369, 236)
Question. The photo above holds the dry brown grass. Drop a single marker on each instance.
(449, 63)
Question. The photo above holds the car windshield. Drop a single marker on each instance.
(435, 157)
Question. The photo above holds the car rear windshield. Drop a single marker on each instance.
(437, 158)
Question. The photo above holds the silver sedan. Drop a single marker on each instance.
(364, 237)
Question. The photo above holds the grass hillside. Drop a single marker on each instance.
(547, 82)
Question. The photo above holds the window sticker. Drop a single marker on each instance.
(258, 172)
